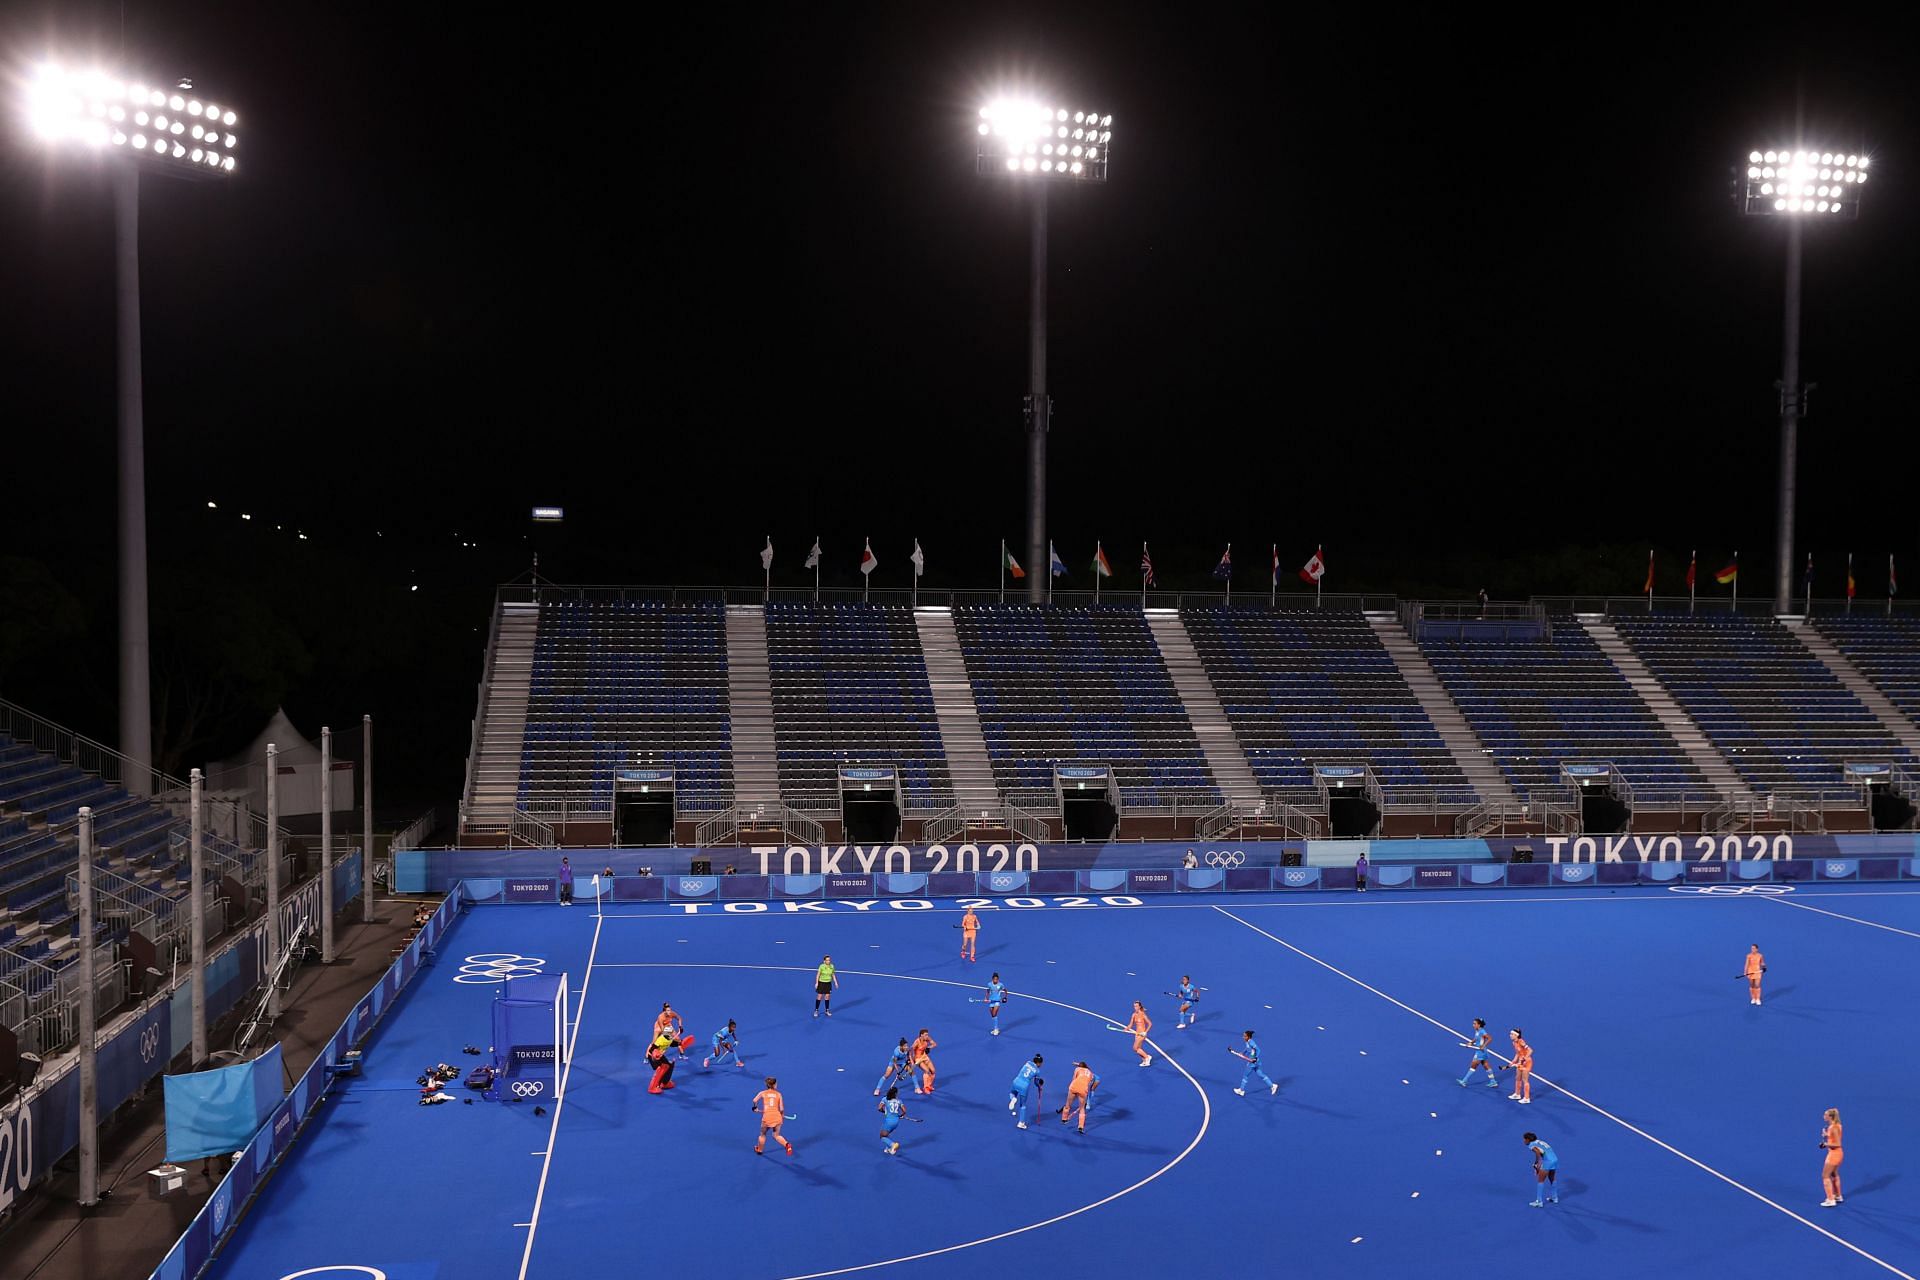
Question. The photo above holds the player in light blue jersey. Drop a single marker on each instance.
(996, 996)
(1189, 997)
(1545, 1166)
(892, 1112)
(726, 1044)
(897, 1068)
(1027, 1079)
(1249, 1050)
(1480, 1041)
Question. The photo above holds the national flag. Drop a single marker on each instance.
(766, 554)
(1100, 565)
(813, 556)
(919, 560)
(1315, 568)
(1224, 570)
(1146, 567)
(867, 562)
(1008, 563)
(1729, 574)
(1648, 589)
(1849, 575)
(1809, 578)
(1693, 568)
(1054, 564)
(1893, 583)
(1276, 562)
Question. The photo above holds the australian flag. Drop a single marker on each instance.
(1224, 570)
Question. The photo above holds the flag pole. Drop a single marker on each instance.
(1849, 582)
(816, 571)
(1003, 571)
(1649, 579)
(1736, 582)
(1693, 574)
(1891, 580)
(1144, 558)
(1809, 584)
(916, 577)
(866, 579)
(1096, 571)
(1229, 573)
(766, 577)
(1319, 549)
(1273, 579)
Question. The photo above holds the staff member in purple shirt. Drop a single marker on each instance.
(1360, 873)
(566, 883)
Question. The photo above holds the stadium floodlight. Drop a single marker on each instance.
(130, 124)
(1800, 184)
(1038, 143)
(1022, 138)
(1804, 182)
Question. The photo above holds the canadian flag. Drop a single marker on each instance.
(867, 562)
(1315, 568)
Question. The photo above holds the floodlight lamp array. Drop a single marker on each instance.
(174, 128)
(1804, 182)
(1033, 140)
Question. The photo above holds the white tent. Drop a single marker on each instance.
(297, 761)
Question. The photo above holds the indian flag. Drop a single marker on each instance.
(1100, 565)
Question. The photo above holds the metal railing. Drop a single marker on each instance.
(724, 827)
(480, 707)
(524, 828)
(1294, 822)
(410, 836)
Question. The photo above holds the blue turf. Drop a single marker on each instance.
(1631, 999)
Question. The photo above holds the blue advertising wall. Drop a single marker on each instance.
(774, 871)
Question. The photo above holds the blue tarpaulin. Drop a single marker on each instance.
(217, 1112)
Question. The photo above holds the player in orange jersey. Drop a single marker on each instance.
(773, 1113)
(1140, 1024)
(1830, 1171)
(920, 1057)
(1522, 1068)
(1756, 966)
(969, 935)
(1080, 1089)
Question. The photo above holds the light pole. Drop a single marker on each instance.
(1040, 144)
(130, 125)
(1799, 184)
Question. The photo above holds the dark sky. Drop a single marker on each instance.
(1429, 290)
(1381, 283)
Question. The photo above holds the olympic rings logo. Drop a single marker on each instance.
(1231, 858)
(497, 966)
(1005, 882)
(149, 1043)
(529, 1088)
(1296, 875)
(1732, 890)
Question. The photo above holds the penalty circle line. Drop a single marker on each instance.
(1206, 1109)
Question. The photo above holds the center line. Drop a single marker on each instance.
(1591, 1106)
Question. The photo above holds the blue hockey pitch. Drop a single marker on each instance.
(1686, 1120)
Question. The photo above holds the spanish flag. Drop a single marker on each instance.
(1729, 574)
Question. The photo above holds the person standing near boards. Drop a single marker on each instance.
(1360, 873)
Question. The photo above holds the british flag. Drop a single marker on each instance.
(1146, 567)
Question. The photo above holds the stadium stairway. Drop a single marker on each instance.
(953, 708)
(1226, 760)
(756, 768)
(1894, 720)
(495, 784)
(1465, 745)
(1686, 734)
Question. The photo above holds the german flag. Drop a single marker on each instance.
(1729, 574)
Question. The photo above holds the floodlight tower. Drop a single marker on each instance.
(1798, 184)
(129, 124)
(1040, 144)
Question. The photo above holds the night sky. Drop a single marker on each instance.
(1469, 304)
